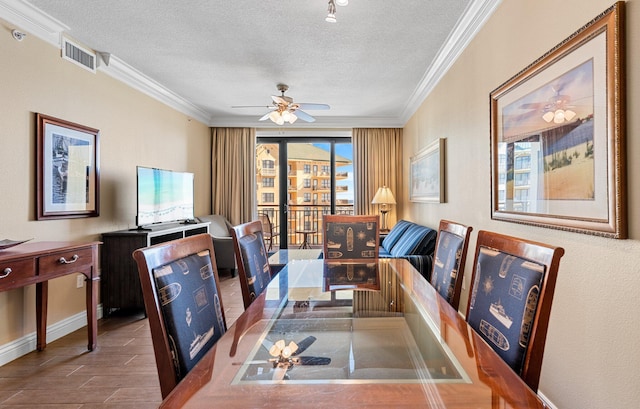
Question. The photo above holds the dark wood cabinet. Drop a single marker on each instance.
(120, 285)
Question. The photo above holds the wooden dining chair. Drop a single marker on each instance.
(180, 287)
(351, 236)
(512, 289)
(252, 260)
(449, 260)
(268, 230)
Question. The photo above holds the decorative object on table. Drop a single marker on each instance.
(558, 135)
(67, 169)
(6, 243)
(426, 174)
(384, 197)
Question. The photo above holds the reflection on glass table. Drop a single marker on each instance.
(371, 333)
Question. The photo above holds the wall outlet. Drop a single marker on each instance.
(79, 281)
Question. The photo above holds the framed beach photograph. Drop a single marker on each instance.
(558, 133)
(426, 174)
(67, 169)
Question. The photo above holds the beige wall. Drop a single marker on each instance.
(134, 130)
(591, 357)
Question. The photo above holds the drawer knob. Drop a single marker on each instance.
(63, 260)
(6, 272)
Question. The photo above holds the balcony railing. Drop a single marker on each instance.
(302, 217)
(268, 171)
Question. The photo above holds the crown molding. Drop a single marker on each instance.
(41, 25)
(47, 28)
(474, 17)
(125, 73)
(32, 20)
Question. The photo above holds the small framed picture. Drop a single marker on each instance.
(67, 169)
(426, 178)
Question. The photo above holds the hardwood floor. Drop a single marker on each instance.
(120, 373)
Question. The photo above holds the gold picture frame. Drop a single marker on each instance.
(558, 135)
(68, 184)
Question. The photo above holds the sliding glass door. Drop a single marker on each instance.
(299, 180)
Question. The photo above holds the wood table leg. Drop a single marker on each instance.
(92, 305)
(42, 293)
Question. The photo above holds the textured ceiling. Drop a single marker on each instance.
(370, 66)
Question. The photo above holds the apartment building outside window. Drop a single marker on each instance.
(318, 181)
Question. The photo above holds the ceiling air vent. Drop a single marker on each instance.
(79, 55)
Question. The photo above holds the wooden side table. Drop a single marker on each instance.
(38, 262)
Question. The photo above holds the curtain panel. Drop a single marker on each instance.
(377, 158)
(233, 173)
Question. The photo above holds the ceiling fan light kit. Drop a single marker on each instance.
(284, 110)
(559, 116)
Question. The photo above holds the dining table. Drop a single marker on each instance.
(351, 334)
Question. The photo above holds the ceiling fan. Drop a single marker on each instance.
(557, 108)
(286, 356)
(283, 109)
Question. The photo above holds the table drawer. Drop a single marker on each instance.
(15, 272)
(65, 262)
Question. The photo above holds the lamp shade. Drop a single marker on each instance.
(383, 196)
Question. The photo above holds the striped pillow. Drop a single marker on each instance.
(395, 234)
(414, 241)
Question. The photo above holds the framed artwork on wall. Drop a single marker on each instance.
(67, 169)
(558, 133)
(426, 174)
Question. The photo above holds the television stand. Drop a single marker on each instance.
(119, 280)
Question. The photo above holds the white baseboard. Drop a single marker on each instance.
(24, 345)
(546, 401)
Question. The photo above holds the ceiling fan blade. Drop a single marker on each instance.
(252, 106)
(304, 344)
(279, 100)
(314, 360)
(304, 116)
(304, 105)
(265, 117)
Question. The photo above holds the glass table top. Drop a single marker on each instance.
(351, 323)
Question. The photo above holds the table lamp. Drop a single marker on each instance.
(384, 197)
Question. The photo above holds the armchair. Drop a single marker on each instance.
(219, 229)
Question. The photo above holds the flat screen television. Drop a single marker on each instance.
(163, 196)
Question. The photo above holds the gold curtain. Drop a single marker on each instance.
(377, 158)
(233, 173)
